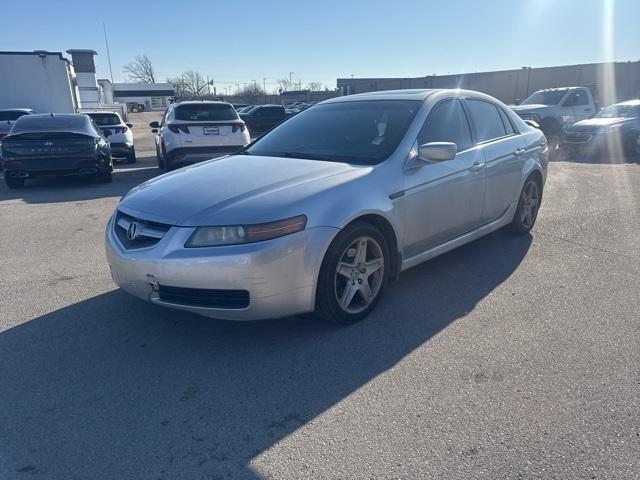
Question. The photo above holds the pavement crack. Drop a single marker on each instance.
(574, 242)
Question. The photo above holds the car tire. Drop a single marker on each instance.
(13, 182)
(104, 177)
(630, 144)
(131, 157)
(351, 279)
(528, 206)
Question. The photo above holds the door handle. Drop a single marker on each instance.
(519, 152)
(476, 167)
(587, 109)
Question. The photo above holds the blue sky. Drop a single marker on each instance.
(240, 41)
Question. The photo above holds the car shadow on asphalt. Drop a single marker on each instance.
(75, 189)
(113, 387)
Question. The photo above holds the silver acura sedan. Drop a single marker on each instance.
(325, 209)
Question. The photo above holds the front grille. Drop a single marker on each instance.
(577, 137)
(147, 233)
(200, 297)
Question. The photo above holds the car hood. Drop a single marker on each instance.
(594, 124)
(529, 108)
(239, 189)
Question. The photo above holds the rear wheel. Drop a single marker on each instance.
(353, 275)
(528, 206)
(631, 144)
(13, 182)
(131, 157)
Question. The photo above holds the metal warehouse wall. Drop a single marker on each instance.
(40, 81)
(612, 81)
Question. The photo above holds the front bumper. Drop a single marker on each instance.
(593, 143)
(280, 275)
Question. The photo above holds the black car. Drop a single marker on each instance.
(46, 145)
(263, 117)
(615, 130)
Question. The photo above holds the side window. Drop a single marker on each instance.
(508, 126)
(576, 98)
(447, 122)
(486, 119)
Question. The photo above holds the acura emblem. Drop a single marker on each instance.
(48, 144)
(132, 231)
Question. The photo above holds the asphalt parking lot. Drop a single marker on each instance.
(511, 357)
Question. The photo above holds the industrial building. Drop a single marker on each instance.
(612, 81)
(154, 96)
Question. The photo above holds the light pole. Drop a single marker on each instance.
(290, 78)
(264, 84)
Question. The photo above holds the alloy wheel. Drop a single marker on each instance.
(529, 204)
(359, 275)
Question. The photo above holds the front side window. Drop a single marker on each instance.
(447, 122)
(486, 119)
(506, 122)
(579, 97)
(545, 97)
(361, 132)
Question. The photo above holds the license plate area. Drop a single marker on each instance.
(211, 130)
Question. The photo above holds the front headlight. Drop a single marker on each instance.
(237, 234)
(614, 128)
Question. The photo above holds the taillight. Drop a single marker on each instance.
(178, 128)
(239, 127)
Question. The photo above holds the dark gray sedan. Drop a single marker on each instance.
(613, 132)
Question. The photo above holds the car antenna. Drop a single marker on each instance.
(52, 114)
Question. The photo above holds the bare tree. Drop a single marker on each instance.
(252, 93)
(284, 85)
(140, 70)
(314, 86)
(189, 84)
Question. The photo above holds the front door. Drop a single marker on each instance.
(443, 200)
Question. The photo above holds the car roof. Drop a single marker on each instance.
(633, 102)
(202, 102)
(25, 110)
(408, 94)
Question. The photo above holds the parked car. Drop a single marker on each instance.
(10, 115)
(323, 210)
(118, 133)
(556, 108)
(198, 130)
(135, 107)
(245, 108)
(7, 117)
(263, 117)
(616, 130)
(45, 145)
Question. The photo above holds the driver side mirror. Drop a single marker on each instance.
(437, 151)
(154, 125)
(154, 130)
(130, 125)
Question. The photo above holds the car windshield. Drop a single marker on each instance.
(10, 116)
(206, 112)
(104, 119)
(620, 111)
(545, 97)
(364, 132)
(43, 123)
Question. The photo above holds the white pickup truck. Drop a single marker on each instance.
(556, 108)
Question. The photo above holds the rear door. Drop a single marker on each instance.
(503, 150)
(443, 200)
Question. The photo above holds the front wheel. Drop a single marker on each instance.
(353, 275)
(528, 206)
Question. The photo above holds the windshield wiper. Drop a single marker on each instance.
(308, 156)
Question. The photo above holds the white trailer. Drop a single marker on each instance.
(40, 80)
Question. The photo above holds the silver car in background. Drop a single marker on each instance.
(325, 209)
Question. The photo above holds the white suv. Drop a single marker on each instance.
(117, 133)
(194, 131)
